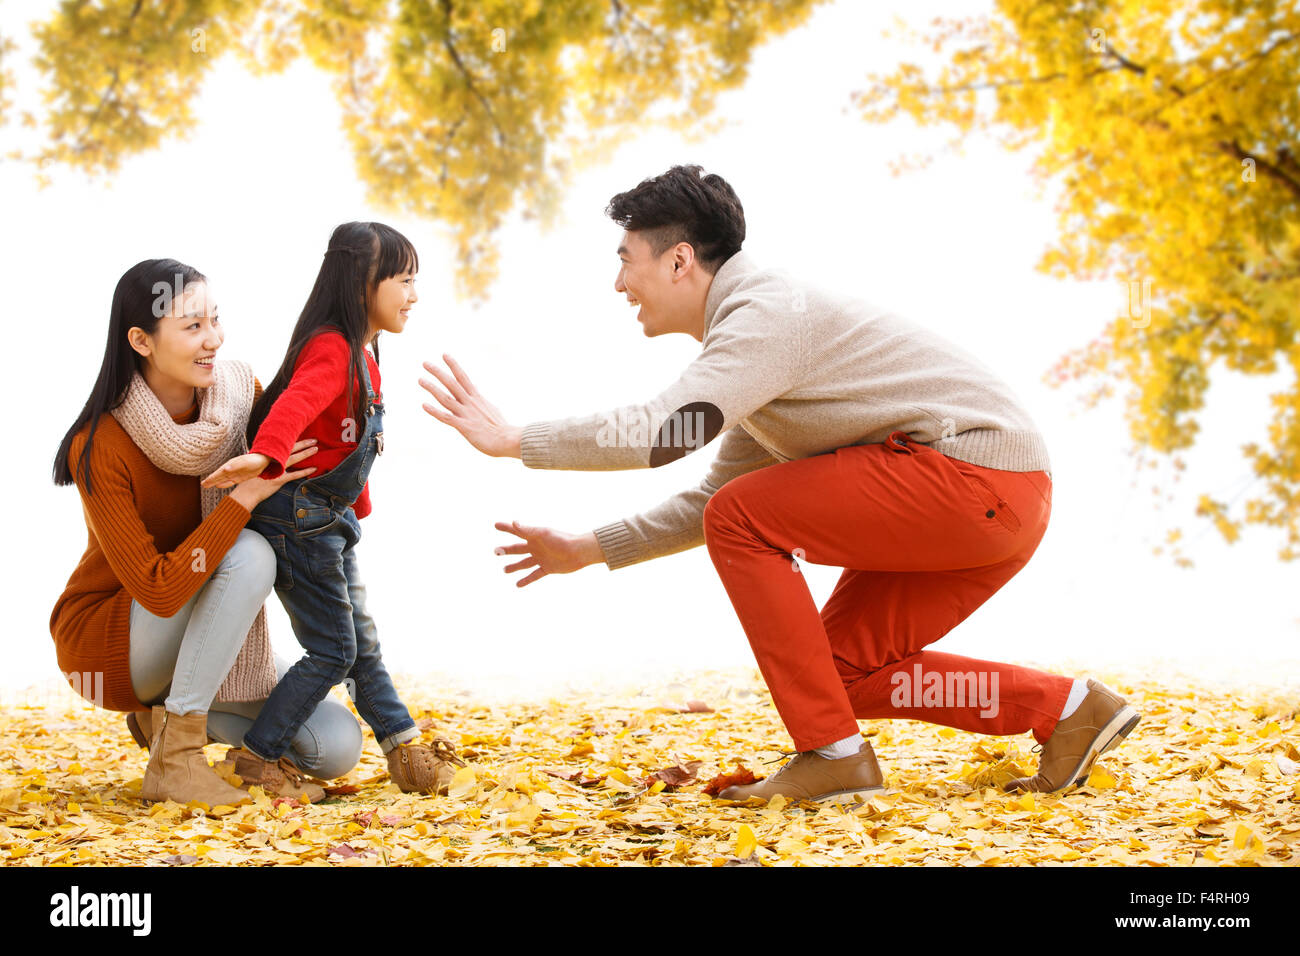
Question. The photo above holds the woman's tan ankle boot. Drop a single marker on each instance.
(140, 724)
(177, 768)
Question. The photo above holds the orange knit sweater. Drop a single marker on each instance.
(143, 528)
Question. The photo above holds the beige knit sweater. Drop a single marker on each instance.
(788, 371)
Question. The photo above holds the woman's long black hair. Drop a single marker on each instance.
(360, 256)
(140, 292)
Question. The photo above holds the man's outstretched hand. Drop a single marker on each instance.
(464, 409)
(553, 552)
(470, 413)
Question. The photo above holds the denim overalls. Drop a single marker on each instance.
(313, 529)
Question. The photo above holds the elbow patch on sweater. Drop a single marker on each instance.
(690, 427)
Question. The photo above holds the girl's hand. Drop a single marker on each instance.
(239, 468)
(554, 552)
(253, 491)
(470, 413)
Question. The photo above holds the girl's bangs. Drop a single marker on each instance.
(396, 255)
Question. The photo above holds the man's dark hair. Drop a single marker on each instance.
(684, 206)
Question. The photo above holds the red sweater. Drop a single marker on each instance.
(315, 405)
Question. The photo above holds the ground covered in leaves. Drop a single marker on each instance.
(620, 777)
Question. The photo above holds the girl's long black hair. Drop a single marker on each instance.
(360, 256)
(140, 292)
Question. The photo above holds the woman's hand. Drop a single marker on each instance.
(239, 468)
(554, 552)
(253, 491)
(470, 413)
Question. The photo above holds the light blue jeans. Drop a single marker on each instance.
(181, 661)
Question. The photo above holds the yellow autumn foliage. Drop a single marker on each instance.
(1169, 131)
(457, 112)
(1210, 777)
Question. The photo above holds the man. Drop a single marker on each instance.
(849, 437)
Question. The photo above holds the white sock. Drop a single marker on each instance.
(841, 748)
(1078, 691)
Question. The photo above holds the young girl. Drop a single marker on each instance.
(328, 389)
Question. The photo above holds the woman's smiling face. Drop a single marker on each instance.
(187, 337)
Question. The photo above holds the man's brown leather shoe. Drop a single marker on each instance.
(1099, 723)
(810, 776)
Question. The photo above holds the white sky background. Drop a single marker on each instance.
(251, 198)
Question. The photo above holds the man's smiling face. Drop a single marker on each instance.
(647, 281)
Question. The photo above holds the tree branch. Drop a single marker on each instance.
(112, 86)
(1279, 170)
(1001, 84)
(1275, 171)
(469, 77)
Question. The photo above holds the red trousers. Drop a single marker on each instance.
(924, 540)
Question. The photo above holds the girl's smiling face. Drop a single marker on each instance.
(180, 351)
(390, 302)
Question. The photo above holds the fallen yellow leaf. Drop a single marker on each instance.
(1099, 779)
(464, 783)
(746, 842)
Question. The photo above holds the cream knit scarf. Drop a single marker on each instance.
(200, 448)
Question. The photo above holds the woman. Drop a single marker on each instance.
(164, 609)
